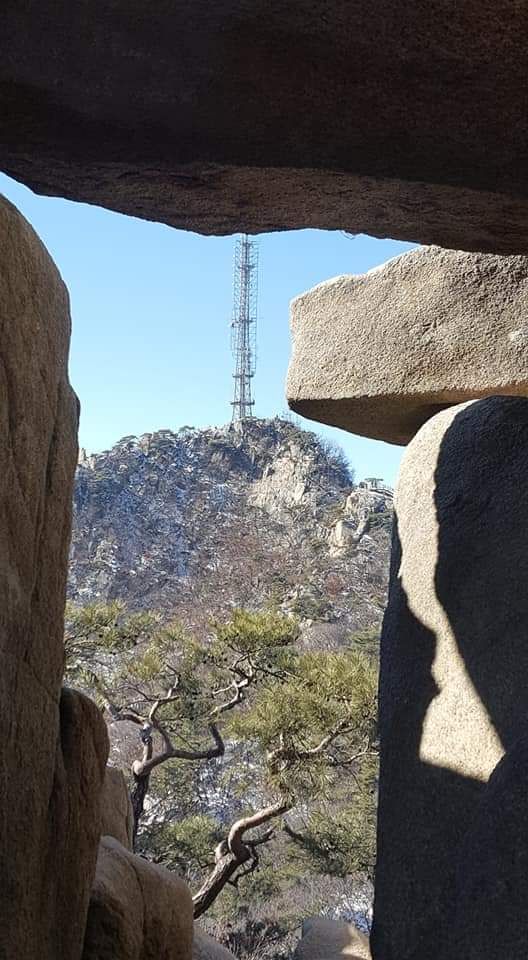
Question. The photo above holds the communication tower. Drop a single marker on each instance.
(244, 324)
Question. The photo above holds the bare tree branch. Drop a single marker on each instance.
(169, 697)
(175, 753)
(237, 698)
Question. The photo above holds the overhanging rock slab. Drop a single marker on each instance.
(391, 118)
(380, 353)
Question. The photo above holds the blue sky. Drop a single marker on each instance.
(151, 308)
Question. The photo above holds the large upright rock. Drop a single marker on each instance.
(138, 910)
(454, 677)
(391, 118)
(53, 749)
(381, 352)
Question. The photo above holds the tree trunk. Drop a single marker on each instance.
(222, 873)
(138, 795)
(232, 853)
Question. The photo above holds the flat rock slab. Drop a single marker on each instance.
(380, 353)
(392, 118)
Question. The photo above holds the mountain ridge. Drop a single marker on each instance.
(196, 521)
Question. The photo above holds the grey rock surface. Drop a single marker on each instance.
(117, 816)
(454, 664)
(378, 118)
(206, 948)
(54, 747)
(138, 910)
(326, 939)
(74, 810)
(379, 353)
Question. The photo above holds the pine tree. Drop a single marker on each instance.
(307, 717)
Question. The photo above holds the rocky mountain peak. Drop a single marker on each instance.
(195, 521)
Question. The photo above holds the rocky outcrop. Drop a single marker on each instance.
(326, 939)
(371, 118)
(290, 479)
(454, 674)
(138, 910)
(365, 510)
(379, 353)
(53, 750)
(195, 521)
(117, 816)
(205, 948)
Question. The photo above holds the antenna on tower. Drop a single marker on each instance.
(244, 324)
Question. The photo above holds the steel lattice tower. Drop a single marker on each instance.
(244, 324)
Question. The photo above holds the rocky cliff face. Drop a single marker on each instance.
(198, 521)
